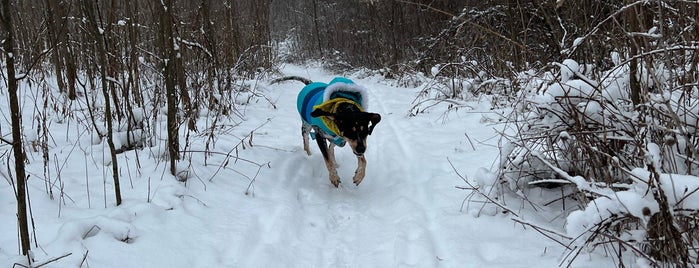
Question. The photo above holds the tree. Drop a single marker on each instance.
(170, 56)
(99, 35)
(372, 34)
(58, 37)
(16, 117)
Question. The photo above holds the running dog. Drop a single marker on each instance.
(335, 112)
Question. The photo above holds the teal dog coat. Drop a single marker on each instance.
(318, 94)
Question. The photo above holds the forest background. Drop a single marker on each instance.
(187, 56)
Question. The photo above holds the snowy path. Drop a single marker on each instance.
(349, 226)
(406, 212)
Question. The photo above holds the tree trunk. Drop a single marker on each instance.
(316, 28)
(51, 24)
(235, 36)
(636, 47)
(16, 117)
(92, 13)
(170, 73)
(132, 8)
(211, 39)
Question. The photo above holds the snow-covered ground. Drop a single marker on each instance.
(406, 213)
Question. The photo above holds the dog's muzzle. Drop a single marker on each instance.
(359, 150)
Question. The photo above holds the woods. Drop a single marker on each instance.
(594, 89)
(123, 58)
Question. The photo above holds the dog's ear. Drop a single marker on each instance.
(318, 112)
(374, 119)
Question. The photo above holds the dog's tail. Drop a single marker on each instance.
(287, 78)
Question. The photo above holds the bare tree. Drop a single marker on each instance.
(169, 56)
(16, 117)
(58, 37)
(99, 34)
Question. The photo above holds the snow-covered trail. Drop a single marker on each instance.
(349, 226)
(406, 213)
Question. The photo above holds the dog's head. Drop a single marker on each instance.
(354, 126)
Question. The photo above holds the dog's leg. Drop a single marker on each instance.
(332, 165)
(331, 155)
(305, 131)
(329, 160)
(361, 170)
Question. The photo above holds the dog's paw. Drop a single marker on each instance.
(358, 181)
(358, 177)
(307, 149)
(335, 180)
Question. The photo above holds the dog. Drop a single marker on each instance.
(335, 112)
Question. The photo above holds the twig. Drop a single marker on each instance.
(5, 141)
(84, 258)
(544, 232)
(44, 263)
(198, 200)
(569, 51)
(89, 232)
(685, 196)
(229, 154)
(475, 189)
(632, 247)
(247, 191)
(578, 182)
(469, 141)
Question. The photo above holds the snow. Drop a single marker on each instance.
(435, 70)
(580, 221)
(406, 213)
(633, 200)
(568, 70)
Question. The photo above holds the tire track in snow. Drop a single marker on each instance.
(416, 242)
(389, 136)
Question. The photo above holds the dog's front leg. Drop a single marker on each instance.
(329, 157)
(361, 170)
(332, 166)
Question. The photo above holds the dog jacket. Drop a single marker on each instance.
(327, 97)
